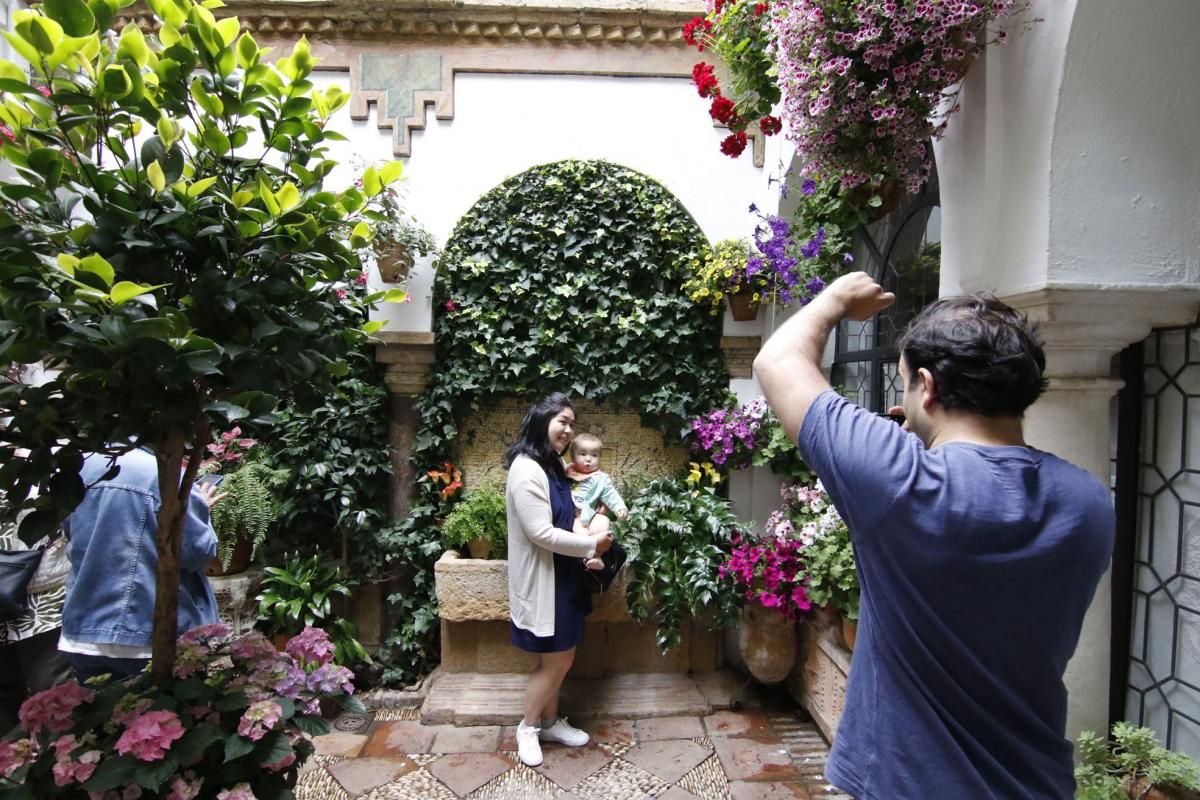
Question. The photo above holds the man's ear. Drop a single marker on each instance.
(928, 387)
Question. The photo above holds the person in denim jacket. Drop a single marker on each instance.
(108, 619)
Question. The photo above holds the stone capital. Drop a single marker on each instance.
(409, 355)
(1084, 327)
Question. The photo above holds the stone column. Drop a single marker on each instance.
(1083, 329)
(408, 356)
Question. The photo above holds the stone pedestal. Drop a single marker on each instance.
(235, 594)
(473, 605)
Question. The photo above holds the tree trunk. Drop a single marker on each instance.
(174, 494)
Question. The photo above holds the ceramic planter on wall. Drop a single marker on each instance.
(239, 561)
(743, 307)
(395, 265)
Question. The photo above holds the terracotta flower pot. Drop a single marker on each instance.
(767, 642)
(743, 307)
(239, 562)
(479, 548)
(395, 265)
(849, 633)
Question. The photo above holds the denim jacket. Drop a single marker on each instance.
(114, 559)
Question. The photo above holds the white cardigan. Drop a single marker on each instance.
(532, 542)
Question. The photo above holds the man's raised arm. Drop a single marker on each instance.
(788, 366)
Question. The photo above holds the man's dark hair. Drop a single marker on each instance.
(985, 357)
(532, 438)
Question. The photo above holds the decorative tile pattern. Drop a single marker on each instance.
(520, 781)
(707, 780)
(620, 780)
(416, 785)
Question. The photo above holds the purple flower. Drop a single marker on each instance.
(753, 208)
(809, 186)
(848, 258)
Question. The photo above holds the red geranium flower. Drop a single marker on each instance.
(770, 125)
(695, 30)
(722, 109)
(734, 144)
(705, 80)
(451, 305)
(760, 9)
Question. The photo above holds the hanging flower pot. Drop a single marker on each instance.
(395, 265)
(743, 306)
(767, 643)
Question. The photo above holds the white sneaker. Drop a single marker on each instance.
(529, 749)
(562, 731)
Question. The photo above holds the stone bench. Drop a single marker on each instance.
(472, 597)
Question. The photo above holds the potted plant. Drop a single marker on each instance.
(235, 722)
(830, 576)
(479, 523)
(768, 572)
(397, 238)
(678, 534)
(1132, 766)
(300, 595)
(739, 436)
(250, 506)
(731, 270)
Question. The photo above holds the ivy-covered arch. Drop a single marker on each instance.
(568, 277)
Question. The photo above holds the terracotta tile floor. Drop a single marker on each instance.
(762, 754)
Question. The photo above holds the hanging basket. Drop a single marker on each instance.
(395, 265)
(767, 643)
(743, 306)
(890, 192)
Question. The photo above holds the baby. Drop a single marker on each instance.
(592, 488)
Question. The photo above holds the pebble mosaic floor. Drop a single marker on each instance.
(728, 755)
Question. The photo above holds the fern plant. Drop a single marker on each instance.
(249, 508)
(678, 535)
(1130, 766)
(480, 515)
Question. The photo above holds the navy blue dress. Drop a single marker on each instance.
(572, 600)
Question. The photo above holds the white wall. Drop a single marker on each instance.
(507, 123)
(1125, 178)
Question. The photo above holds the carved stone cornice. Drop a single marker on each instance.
(1083, 327)
(611, 24)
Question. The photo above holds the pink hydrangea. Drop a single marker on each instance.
(203, 634)
(51, 709)
(311, 647)
(281, 764)
(185, 787)
(15, 754)
(259, 718)
(149, 736)
(128, 707)
(252, 647)
(67, 770)
(239, 792)
(331, 679)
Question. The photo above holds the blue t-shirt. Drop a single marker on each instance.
(977, 565)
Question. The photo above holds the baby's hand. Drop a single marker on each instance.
(593, 563)
(624, 515)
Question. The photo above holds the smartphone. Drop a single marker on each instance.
(211, 479)
(896, 418)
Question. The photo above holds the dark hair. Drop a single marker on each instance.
(985, 357)
(532, 439)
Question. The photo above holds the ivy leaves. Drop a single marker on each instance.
(567, 278)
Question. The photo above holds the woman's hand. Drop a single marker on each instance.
(211, 494)
(603, 541)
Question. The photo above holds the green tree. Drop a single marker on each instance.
(167, 245)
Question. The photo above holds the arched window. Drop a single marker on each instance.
(903, 252)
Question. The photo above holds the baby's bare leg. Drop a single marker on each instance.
(599, 524)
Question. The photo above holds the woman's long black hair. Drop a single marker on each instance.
(532, 438)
